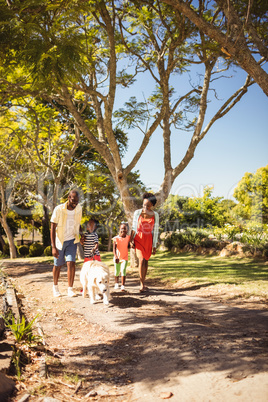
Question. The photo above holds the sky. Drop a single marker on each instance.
(236, 143)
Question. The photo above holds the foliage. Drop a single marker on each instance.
(252, 196)
(229, 231)
(22, 331)
(13, 223)
(6, 250)
(16, 360)
(200, 212)
(65, 79)
(238, 29)
(48, 251)
(23, 250)
(36, 250)
(191, 236)
(253, 237)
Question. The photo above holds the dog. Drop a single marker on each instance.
(95, 277)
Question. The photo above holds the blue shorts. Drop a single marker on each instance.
(67, 253)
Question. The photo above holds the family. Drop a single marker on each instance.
(66, 233)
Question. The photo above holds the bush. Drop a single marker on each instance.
(191, 236)
(48, 251)
(23, 250)
(6, 250)
(209, 243)
(36, 250)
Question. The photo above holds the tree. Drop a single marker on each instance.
(198, 212)
(68, 55)
(238, 27)
(12, 161)
(48, 143)
(252, 196)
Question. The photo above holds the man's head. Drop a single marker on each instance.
(73, 199)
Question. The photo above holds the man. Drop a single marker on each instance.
(65, 228)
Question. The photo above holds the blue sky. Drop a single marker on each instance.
(236, 144)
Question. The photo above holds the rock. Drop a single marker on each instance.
(91, 394)
(225, 252)
(7, 386)
(199, 250)
(165, 395)
(43, 369)
(162, 248)
(6, 352)
(24, 398)
(212, 251)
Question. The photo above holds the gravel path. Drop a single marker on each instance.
(166, 344)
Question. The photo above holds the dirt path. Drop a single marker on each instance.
(143, 347)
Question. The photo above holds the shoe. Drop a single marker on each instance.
(116, 286)
(122, 288)
(71, 293)
(56, 292)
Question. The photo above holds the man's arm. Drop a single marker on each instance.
(55, 251)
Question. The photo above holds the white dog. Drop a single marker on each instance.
(95, 276)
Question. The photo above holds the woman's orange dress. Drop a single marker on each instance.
(144, 238)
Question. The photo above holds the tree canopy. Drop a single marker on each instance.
(252, 196)
(72, 57)
(237, 28)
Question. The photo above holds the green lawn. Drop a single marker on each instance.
(247, 276)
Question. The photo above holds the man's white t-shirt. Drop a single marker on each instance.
(69, 232)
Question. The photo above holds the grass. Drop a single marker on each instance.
(248, 276)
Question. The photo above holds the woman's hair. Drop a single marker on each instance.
(150, 197)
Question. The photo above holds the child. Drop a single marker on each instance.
(90, 241)
(120, 249)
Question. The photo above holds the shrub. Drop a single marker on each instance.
(191, 236)
(6, 250)
(23, 250)
(36, 250)
(209, 243)
(48, 251)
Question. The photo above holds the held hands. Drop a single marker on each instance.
(132, 245)
(82, 239)
(117, 260)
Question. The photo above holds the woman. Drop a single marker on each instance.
(145, 235)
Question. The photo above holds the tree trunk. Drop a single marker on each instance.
(12, 247)
(109, 246)
(45, 227)
(134, 262)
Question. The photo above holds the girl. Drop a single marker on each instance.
(120, 249)
(145, 235)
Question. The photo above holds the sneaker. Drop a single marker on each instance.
(71, 293)
(122, 288)
(116, 285)
(56, 291)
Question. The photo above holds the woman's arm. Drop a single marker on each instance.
(155, 230)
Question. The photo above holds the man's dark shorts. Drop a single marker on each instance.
(67, 253)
